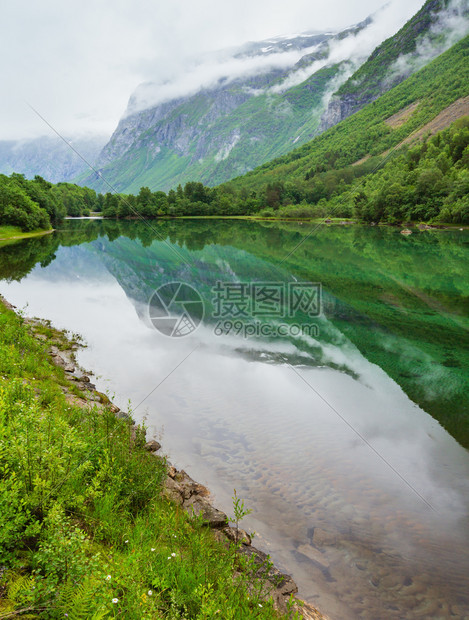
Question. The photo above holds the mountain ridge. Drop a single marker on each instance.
(222, 132)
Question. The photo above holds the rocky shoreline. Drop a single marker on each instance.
(178, 486)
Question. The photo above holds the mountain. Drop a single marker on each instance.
(295, 88)
(226, 129)
(425, 103)
(438, 25)
(49, 157)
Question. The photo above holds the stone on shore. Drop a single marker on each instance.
(152, 446)
(199, 506)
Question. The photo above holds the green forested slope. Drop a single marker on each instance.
(394, 182)
(434, 87)
(379, 72)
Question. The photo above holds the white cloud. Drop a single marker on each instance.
(450, 26)
(355, 49)
(78, 61)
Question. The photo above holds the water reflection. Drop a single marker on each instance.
(358, 541)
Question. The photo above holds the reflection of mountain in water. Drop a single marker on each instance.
(142, 270)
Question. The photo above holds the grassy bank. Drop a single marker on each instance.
(14, 232)
(86, 531)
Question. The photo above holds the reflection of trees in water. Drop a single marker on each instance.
(401, 301)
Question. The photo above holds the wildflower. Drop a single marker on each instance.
(115, 600)
(173, 555)
(152, 549)
(259, 605)
(150, 592)
(126, 541)
(108, 578)
(169, 557)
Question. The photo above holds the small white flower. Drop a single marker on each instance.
(260, 605)
(108, 578)
(115, 600)
(169, 557)
(126, 541)
(152, 549)
(173, 555)
(150, 592)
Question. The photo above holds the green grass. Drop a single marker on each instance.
(15, 232)
(86, 532)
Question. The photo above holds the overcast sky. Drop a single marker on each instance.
(77, 62)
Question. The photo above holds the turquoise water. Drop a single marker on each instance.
(348, 442)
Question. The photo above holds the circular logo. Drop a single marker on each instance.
(176, 309)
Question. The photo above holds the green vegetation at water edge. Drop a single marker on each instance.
(426, 182)
(15, 232)
(32, 205)
(85, 531)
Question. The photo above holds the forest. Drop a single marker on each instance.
(427, 181)
(37, 204)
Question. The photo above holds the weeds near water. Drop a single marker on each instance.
(85, 531)
(240, 511)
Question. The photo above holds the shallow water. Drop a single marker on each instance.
(334, 441)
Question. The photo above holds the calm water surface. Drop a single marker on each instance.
(351, 447)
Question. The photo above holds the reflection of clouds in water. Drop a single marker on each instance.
(436, 380)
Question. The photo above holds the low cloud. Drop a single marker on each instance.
(224, 67)
(210, 72)
(77, 63)
(449, 27)
(356, 48)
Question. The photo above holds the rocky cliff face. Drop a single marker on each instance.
(437, 26)
(226, 129)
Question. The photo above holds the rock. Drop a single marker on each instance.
(69, 367)
(307, 611)
(123, 415)
(172, 471)
(152, 446)
(313, 554)
(220, 536)
(323, 538)
(406, 231)
(199, 506)
(327, 221)
(114, 408)
(243, 536)
(172, 491)
(189, 486)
